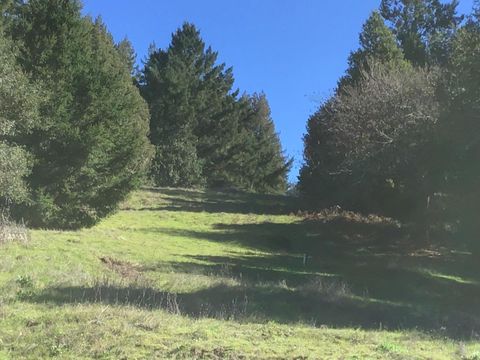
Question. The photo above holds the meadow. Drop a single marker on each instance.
(185, 274)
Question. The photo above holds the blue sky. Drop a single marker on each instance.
(293, 50)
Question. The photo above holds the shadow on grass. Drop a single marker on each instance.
(272, 289)
(223, 202)
(392, 281)
(357, 274)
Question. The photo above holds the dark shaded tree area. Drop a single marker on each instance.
(19, 102)
(400, 134)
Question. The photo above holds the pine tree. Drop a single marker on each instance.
(424, 28)
(192, 105)
(260, 163)
(169, 83)
(317, 180)
(93, 147)
(127, 52)
(203, 133)
(377, 43)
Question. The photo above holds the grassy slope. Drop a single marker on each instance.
(183, 274)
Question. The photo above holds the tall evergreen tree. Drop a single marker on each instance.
(93, 147)
(424, 28)
(201, 130)
(171, 84)
(127, 52)
(317, 180)
(377, 43)
(259, 162)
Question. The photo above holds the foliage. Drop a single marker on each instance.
(424, 28)
(398, 134)
(93, 146)
(187, 94)
(259, 164)
(460, 129)
(19, 100)
(204, 134)
(176, 163)
(377, 43)
(378, 132)
(127, 52)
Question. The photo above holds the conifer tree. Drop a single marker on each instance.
(260, 163)
(378, 44)
(127, 52)
(93, 146)
(195, 114)
(203, 133)
(317, 180)
(171, 84)
(423, 28)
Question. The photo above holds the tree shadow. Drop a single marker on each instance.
(336, 272)
(279, 288)
(395, 281)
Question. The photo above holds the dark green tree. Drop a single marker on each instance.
(93, 146)
(460, 131)
(19, 100)
(424, 28)
(202, 132)
(259, 164)
(377, 43)
(171, 84)
(127, 52)
(319, 181)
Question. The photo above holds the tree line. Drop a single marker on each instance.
(81, 126)
(400, 134)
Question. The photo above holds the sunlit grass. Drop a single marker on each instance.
(189, 274)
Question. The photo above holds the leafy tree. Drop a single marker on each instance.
(377, 43)
(93, 147)
(377, 132)
(424, 28)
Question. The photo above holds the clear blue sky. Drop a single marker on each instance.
(293, 50)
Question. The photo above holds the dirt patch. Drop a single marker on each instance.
(123, 268)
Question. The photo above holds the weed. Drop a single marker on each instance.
(326, 289)
(13, 232)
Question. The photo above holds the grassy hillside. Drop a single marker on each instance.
(185, 274)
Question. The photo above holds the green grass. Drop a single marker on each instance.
(189, 274)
